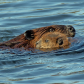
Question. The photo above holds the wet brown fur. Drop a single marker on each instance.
(21, 41)
(52, 41)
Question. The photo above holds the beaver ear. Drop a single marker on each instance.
(29, 34)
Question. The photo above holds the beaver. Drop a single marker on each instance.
(50, 40)
(65, 29)
(53, 41)
(31, 38)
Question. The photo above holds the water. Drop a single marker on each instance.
(55, 67)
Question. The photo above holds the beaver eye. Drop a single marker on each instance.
(47, 41)
(51, 29)
(60, 41)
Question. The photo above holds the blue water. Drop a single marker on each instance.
(54, 67)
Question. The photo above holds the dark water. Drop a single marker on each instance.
(55, 67)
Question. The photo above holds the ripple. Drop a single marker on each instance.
(20, 66)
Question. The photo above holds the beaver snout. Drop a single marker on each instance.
(71, 30)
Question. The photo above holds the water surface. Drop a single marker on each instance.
(55, 67)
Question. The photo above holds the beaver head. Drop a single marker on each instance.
(68, 30)
(54, 40)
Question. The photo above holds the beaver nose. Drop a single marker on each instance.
(60, 41)
(70, 28)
